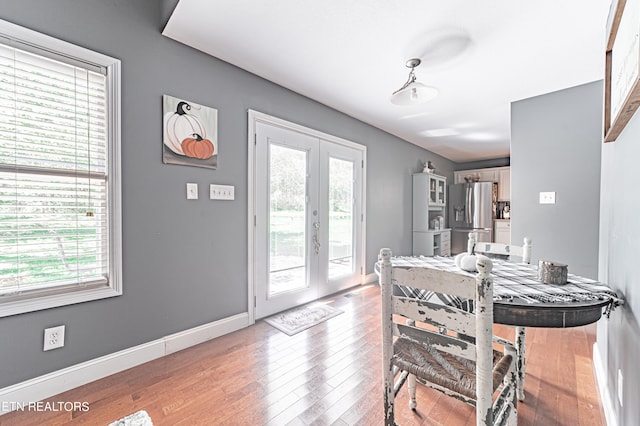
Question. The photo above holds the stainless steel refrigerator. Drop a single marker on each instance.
(471, 209)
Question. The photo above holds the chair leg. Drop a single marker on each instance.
(521, 360)
(389, 396)
(411, 385)
(512, 380)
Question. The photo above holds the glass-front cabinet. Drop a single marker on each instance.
(430, 235)
(437, 190)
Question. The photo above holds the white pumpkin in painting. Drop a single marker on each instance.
(179, 126)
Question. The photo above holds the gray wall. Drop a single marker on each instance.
(555, 146)
(619, 337)
(184, 262)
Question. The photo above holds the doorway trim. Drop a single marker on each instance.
(255, 117)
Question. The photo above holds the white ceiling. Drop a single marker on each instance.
(350, 55)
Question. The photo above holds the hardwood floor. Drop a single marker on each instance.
(329, 374)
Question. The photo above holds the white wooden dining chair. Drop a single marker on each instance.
(413, 347)
(507, 251)
(512, 253)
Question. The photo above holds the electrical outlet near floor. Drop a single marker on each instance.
(53, 337)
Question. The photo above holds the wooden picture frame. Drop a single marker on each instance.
(622, 69)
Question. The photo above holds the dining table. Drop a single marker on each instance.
(521, 300)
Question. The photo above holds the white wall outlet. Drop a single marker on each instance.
(547, 198)
(192, 191)
(222, 192)
(620, 387)
(53, 338)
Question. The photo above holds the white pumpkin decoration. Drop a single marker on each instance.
(467, 262)
(180, 125)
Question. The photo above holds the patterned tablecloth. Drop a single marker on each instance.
(514, 282)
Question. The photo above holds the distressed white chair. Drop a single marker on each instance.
(505, 251)
(509, 252)
(413, 347)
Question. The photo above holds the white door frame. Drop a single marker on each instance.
(253, 118)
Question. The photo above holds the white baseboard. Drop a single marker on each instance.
(184, 339)
(370, 278)
(603, 388)
(51, 384)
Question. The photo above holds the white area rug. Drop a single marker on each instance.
(141, 418)
(299, 319)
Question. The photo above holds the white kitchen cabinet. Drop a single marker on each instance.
(445, 243)
(432, 243)
(502, 231)
(500, 175)
(478, 175)
(487, 175)
(430, 237)
(429, 201)
(437, 191)
(504, 184)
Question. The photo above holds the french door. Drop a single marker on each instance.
(308, 217)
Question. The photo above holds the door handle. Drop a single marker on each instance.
(316, 242)
(467, 216)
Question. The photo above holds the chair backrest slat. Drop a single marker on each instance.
(436, 280)
(436, 314)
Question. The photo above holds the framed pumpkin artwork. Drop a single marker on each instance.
(190, 133)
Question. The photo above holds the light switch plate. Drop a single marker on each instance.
(547, 198)
(192, 191)
(221, 192)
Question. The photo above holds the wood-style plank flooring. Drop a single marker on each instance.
(329, 374)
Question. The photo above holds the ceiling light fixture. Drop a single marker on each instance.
(413, 92)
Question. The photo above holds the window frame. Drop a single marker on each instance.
(29, 301)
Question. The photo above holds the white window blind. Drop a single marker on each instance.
(54, 175)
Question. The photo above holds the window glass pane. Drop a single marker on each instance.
(54, 119)
(46, 236)
(54, 213)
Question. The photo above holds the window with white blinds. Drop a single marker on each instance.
(59, 185)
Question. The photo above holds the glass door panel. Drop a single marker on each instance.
(287, 219)
(285, 261)
(341, 261)
(340, 217)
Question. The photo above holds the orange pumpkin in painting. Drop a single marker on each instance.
(196, 147)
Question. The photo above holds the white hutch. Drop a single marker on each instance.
(430, 237)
